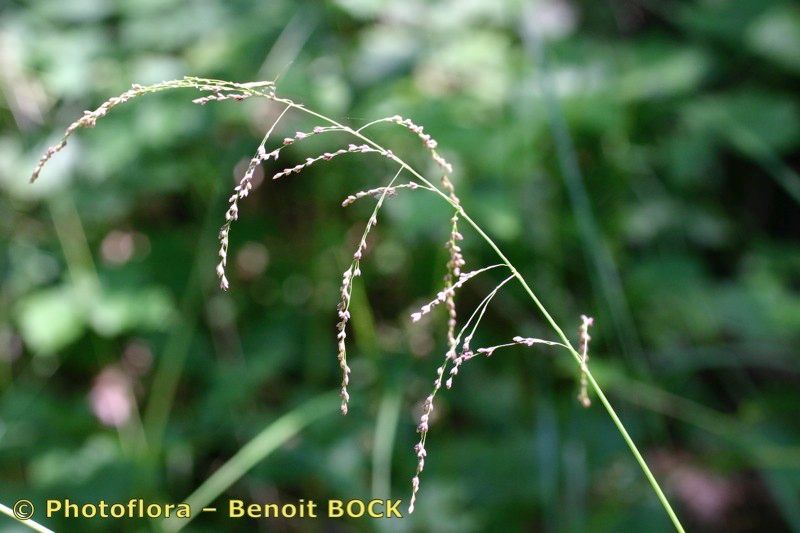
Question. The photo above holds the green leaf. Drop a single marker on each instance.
(126, 310)
(776, 35)
(52, 319)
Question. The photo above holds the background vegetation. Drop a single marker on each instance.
(638, 159)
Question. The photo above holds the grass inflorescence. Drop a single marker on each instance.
(459, 349)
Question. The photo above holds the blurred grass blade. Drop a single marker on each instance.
(385, 433)
(179, 342)
(606, 274)
(547, 445)
(761, 451)
(288, 45)
(30, 523)
(748, 143)
(783, 485)
(263, 444)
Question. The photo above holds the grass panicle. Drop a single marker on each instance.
(459, 350)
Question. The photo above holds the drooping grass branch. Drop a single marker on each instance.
(458, 351)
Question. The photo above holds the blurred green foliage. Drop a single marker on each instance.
(678, 120)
